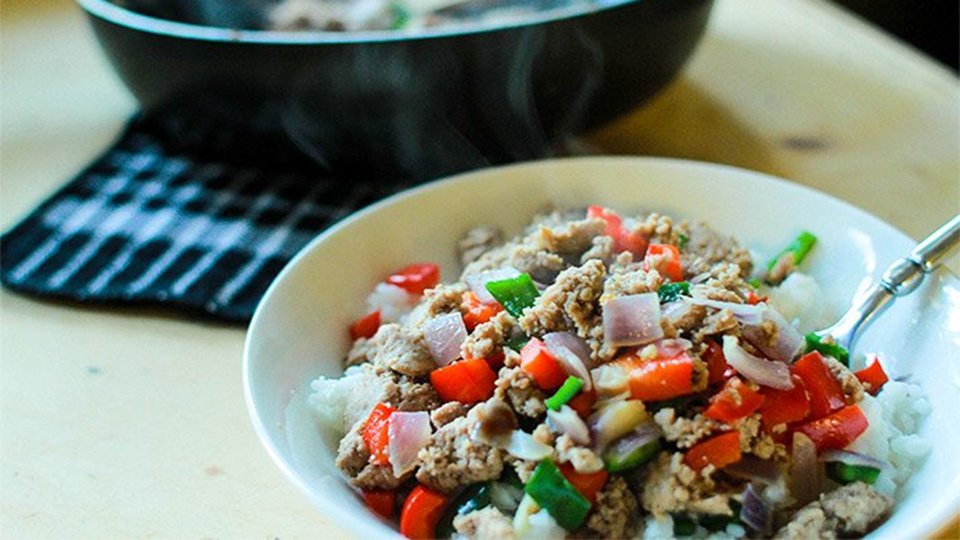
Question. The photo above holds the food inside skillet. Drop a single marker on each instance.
(601, 376)
(354, 15)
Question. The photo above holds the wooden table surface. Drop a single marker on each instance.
(128, 423)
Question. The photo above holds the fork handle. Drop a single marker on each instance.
(906, 273)
(900, 279)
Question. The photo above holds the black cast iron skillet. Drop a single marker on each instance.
(406, 105)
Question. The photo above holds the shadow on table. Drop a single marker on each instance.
(685, 122)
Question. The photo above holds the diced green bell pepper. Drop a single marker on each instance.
(616, 459)
(814, 343)
(719, 522)
(555, 494)
(514, 294)
(799, 248)
(683, 525)
(844, 473)
(472, 498)
(517, 343)
(668, 292)
(565, 393)
(682, 242)
(400, 15)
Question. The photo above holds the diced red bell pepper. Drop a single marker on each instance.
(837, 430)
(467, 381)
(633, 241)
(476, 312)
(623, 239)
(495, 360)
(538, 362)
(753, 299)
(376, 433)
(784, 406)
(588, 484)
(612, 219)
(734, 401)
(717, 368)
(583, 402)
(659, 379)
(366, 326)
(873, 376)
(824, 390)
(668, 262)
(381, 502)
(719, 451)
(421, 512)
(416, 278)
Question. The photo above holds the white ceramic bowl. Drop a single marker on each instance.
(299, 329)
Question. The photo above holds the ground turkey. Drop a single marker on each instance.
(615, 513)
(444, 298)
(570, 239)
(669, 486)
(403, 350)
(489, 337)
(453, 458)
(852, 510)
(685, 432)
(518, 389)
(849, 383)
(571, 303)
(374, 385)
(353, 458)
(583, 459)
(705, 247)
(485, 524)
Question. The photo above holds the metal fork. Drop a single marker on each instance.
(900, 279)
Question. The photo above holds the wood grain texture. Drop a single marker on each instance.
(806, 91)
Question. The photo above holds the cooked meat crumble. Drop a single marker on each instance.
(587, 361)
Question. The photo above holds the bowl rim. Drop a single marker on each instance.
(933, 528)
(121, 16)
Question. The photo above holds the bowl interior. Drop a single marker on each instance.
(298, 330)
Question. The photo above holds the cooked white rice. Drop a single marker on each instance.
(328, 397)
(660, 529)
(894, 415)
(800, 300)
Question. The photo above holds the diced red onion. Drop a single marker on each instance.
(522, 445)
(702, 277)
(759, 370)
(444, 335)
(408, 432)
(674, 311)
(642, 435)
(393, 302)
(668, 348)
(745, 313)
(567, 421)
(615, 420)
(789, 340)
(753, 469)
(632, 320)
(755, 512)
(478, 282)
(804, 473)
(610, 379)
(573, 353)
(852, 458)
